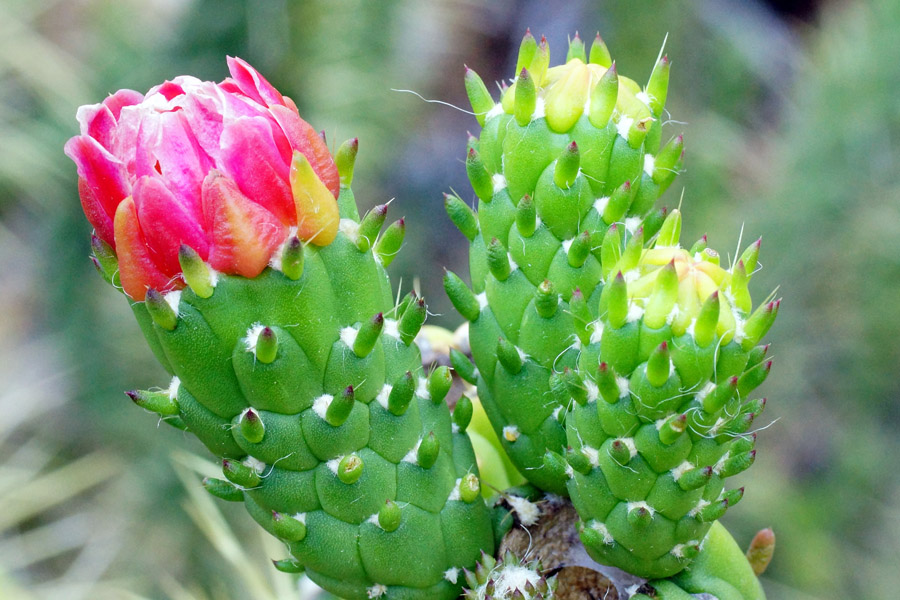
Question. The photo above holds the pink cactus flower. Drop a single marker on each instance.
(226, 168)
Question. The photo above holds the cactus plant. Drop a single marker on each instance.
(613, 363)
(236, 238)
(568, 152)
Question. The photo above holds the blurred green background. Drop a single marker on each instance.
(791, 115)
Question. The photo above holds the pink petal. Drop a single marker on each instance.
(104, 174)
(96, 214)
(166, 146)
(307, 140)
(252, 83)
(167, 89)
(166, 224)
(251, 157)
(116, 102)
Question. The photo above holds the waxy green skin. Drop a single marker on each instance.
(538, 346)
(330, 523)
(522, 160)
(721, 569)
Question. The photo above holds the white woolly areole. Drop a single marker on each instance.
(642, 504)
(716, 426)
(510, 578)
(701, 504)
(374, 521)
(629, 443)
(422, 389)
(600, 204)
(704, 392)
(350, 228)
(739, 333)
(593, 392)
(252, 337)
(643, 97)
(632, 224)
(482, 300)
(255, 464)
(649, 164)
(454, 428)
(604, 532)
(300, 517)
(333, 464)
(527, 511)
(321, 404)
(540, 109)
(276, 261)
(173, 299)
(522, 354)
(635, 312)
(681, 469)
(717, 468)
(173, 388)
(567, 244)
(496, 110)
(537, 223)
(452, 575)
(499, 182)
(597, 333)
(623, 385)
(413, 455)
(631, 275)
(624, 125)
(512, 264)
(556, 412)
(454, 493)
(511, 433)
(592, 454)
(390, 328)
(673, 314)
(376, 591)
(348, 336)
(678, 550)
(382, 396)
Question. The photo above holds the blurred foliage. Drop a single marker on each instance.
(792, 131)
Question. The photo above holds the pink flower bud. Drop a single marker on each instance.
(199, 163)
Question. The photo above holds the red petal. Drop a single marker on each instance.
(95, 213)
(304, 138)
(166, 224)
(137, 270)
(252, 83)
(103, 173)
(244, 235)
(251, 157)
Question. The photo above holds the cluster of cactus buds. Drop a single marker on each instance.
(615, 365)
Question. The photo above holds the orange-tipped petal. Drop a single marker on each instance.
(243, 234)
(317, 209)
(137, 270)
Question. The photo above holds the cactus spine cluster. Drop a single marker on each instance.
(613, 363)
(307, 383)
